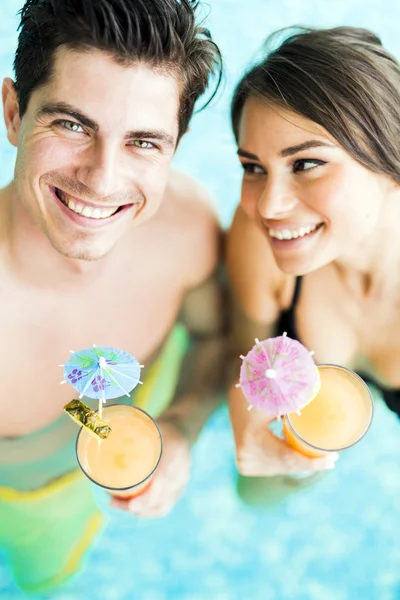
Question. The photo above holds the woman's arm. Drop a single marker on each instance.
(256, 288)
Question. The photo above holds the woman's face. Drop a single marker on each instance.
(314, 201)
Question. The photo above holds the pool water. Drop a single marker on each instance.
(335, 540)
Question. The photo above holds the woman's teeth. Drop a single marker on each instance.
(291, 234)
(86, 211)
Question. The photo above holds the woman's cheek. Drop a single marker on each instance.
(248, 202)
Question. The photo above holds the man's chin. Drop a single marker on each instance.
(79, 252)
(86, 257)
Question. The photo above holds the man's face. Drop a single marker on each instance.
(94, 149)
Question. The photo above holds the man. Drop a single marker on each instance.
(101, 244)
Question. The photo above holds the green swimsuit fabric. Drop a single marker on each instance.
(48, 511)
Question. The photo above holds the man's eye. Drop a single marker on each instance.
(306, 164)
(253, 169)
(70, 126)
(143, 144)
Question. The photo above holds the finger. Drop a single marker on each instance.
(256, 419)
(325, 462)
(119, 503)
(277, 458)
(297, 460)
(159, 500)
(152, 511)
(152, 507)
(157, 494)
(280, 468)
(123, 503)
(135, 506)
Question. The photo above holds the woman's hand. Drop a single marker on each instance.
(170, 479)
(259, 453)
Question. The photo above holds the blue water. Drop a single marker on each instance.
(336, 540)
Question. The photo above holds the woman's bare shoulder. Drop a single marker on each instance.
(256, 280)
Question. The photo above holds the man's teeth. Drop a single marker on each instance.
(88, 211)
(291, 234)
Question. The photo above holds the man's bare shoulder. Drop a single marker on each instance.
(188, 211)
(188, 198)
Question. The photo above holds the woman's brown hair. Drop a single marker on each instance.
(342, 79)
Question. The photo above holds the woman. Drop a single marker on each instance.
(314, 248)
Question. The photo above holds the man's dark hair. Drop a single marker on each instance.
(160, 33)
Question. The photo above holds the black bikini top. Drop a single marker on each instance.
(287, 323)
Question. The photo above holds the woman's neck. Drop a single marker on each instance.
(374, 266)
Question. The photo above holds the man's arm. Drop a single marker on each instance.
(203, 310)
(203, 373)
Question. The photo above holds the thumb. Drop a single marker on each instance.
(296, 462)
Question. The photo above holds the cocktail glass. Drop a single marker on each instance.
(125, 462)
(338, 417)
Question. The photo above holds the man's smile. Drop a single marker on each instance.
(85, 209)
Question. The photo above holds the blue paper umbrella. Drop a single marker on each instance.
(102, 372)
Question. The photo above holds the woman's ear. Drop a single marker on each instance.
(11, 110)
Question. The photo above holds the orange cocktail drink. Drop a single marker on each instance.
(126, 460)
(337, 418)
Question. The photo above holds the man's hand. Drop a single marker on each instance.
(170, 479)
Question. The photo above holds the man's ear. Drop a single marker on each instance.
(11, 110)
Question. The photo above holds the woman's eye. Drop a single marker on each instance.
(71, 126)
(306, 164)
(143, 144)
(253, 169)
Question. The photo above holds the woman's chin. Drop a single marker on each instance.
(299, 268)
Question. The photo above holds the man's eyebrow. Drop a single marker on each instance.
(152, 134)
(62, 108)
(305, 146)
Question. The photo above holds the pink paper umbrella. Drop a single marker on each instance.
(278, 376)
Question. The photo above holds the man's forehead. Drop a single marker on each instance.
(94, 82)
(92, 64)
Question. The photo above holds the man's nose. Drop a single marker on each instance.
(100, 170)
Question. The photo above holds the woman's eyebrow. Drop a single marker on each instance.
(246, 154)
(305, 146)
(290, 150)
